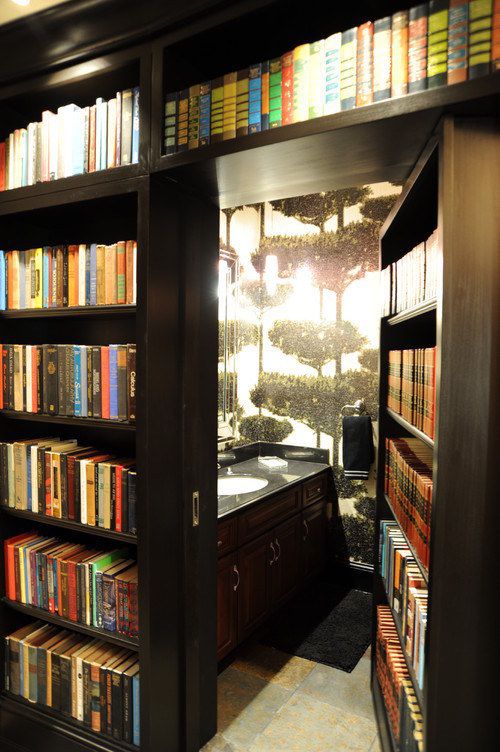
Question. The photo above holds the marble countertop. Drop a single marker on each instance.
(279, 479)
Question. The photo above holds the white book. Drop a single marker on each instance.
(111, 139)
(32, 127)
(44, 170)
(98, 130)
(81, 274)
(332, 73)
(134, 275)
(34, 477)
(53, 146)
(104, 135)
(10, 474)
(76, 140)
(83, 491)
(29, 400)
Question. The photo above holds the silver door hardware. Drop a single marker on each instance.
(196, 508)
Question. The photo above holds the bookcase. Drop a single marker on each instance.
(170, 204)
(456, 167)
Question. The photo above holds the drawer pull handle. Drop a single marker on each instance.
(219, 543)
(306, 526)
(279, 550)
(235, 570)
(274, 554)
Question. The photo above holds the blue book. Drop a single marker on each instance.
(87, 275)
(22, 279)
(93, 274)
(135, 124)
(77, 361)
(136, 715)
(83, 380)
(2, 282)
(113, 382)
(254, 98)
(205, 104)
(45, 277)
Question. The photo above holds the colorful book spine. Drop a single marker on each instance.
(458, 41)
(171, 123)
(417, 48)
(275, 101)
(495, 49)
(301, 83)
(194, 117)
(264, 105)
(348, 55)
(399, 53)
(480, 37)
(437, 43)
(316, 84)
(217, 110)
(254, 99)
(242, 102)
(287, 88)
(364, 71)
(332, 73)
(229, 112)
(205, 107)
(183, 121)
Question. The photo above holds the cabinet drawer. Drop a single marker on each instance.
(314, 489)
(227, 536)
(268, 513)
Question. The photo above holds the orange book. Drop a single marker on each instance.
(110, 258)
(72, 275)
(364, 73)
(105, 382)
(10, 575)
(130, 265)
(495, 49)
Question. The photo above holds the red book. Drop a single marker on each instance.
(495, 48)
(2, 382)
(105, 382)
(2, 165)
(287, 88)
(34, 380)
(133, 610)
(10, 576)
(118, 498)
(48, 487)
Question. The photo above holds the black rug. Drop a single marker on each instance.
(327, 624)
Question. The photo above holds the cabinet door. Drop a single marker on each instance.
(285, 572)
(255, 561)
(227, 602)
(314, 538)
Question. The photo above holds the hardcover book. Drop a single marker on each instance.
(255, 100)
(348, 54)
(229, 111)
(301, 83)
(242, 102)
(480, 37)
(417, 48)
(458, 44)
(364, 71)
(399, 52)
(332, 73)
(437, 43)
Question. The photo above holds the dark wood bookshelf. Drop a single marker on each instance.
(412, 313)
(122, 425)
(103, 311)
(423, 571)
(410, 427)
(39, 613)
(386, 737)
(43, 519)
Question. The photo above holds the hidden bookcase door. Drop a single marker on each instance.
(460, 161)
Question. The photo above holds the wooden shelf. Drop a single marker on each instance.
(103, 311)
(411, 670)
(76, 730)
(68, 420)
(70, 525)
(410, 428)
(386, 737)
(412, 313)
(39, 613)
(423, 570)
(377, 142)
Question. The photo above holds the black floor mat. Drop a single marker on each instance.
(327, 624)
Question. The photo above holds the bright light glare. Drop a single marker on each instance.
(21, 2)
(271, 274)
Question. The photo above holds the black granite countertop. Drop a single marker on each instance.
(279, 479)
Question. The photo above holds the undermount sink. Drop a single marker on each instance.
(231, 485)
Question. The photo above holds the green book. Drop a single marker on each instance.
(275, 93)
(171, 123)
(194, 117)
(217, 110)
(437, 44)
(97, 565)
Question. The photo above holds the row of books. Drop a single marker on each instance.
(60, 479)
(87, 381)
(72, 141)
(73, 275)
(84, 585)
(412, 279)
(406, 592)
(432, 44)
(82, 678)
(412, 387)
(408, 484)
(400, 701)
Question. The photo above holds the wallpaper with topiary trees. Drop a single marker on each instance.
(307, 315)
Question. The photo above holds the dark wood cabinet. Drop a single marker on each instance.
(286, 569)
(227, 604)
(254, 597)
(314, 538)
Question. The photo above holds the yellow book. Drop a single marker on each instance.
(18, 378)
(301, 83)
(229, 113)
(14, 260)
(37, 293)
(89, 471)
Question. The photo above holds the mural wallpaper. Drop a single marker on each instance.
(303, 314)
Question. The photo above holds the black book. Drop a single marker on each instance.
(116, 704)
(103, 699)
(131, 380)
(87, 697)
(41, 675)
(113, 497)
(61, 378)
(40, 478)
(39, 380)
(56, 681)
(50, 385)
(5, 377)
(128, 714)
(4, 480)
(96, 382)
(64, 485)
(132, 478)
(65, 682)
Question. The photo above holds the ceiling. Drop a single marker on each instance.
(9, 11)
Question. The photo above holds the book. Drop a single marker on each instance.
(287, 81)
(183, 120)
(255, 101)
(135, 124)
(265, 84)
(332, 73)
(275, 83)
(217, 110)
(348, 54)
(437, 43)
(417, 48)
(205, 109)
(171, 123)
(229, 106)
(316, 83)
(242, 102)
(458, 42)
(301, 83)
(480, 37)
(495, 48)
(194, 117)
(399, 54)
(364, 70)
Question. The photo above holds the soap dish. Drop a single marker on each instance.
(272, 463)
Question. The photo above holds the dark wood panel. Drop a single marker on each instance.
(265, 515)
(227, 536)
(314, 537)
(227, 604)
(286, 570)
(314, 489)
(254, 593)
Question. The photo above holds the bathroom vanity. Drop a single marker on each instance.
(270, 542)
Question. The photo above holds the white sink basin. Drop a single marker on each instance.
(231, 485)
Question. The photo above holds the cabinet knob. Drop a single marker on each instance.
(219, 543)
(271, 545)
(236, 572)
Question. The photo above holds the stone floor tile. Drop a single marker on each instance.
(219, 744)
(246, 704)
(376, 745)
(273, 665)
(349, 692)
(306, 725)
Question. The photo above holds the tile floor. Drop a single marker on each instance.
(270, 701)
